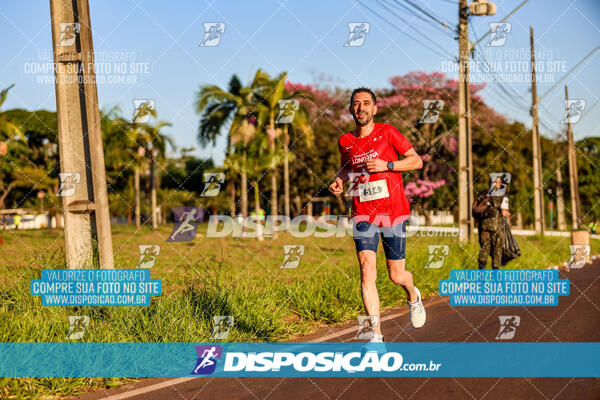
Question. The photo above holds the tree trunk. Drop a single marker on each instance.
(309, 205)
(232, 193)
(153, 194)
(258, 220)
(256, 197)
(244, 187)
(297, 205)
(286, 174)
(4, 194)
(138, 212)
(519, 224)
(560, 201)
(274, 210)
(156, 206)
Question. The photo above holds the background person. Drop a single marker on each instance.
(487, 210)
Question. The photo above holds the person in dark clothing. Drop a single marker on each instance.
(486, 210)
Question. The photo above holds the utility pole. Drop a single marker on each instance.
(464, 215)
(465, 153)
(79, 135)
(538, 186)
(560, 202)
(573, 178)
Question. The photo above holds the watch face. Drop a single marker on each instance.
(390, 165)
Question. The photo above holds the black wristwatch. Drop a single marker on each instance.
(390, 165)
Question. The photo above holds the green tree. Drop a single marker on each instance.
(236, 107)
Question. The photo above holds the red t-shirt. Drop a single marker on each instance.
(378, 197)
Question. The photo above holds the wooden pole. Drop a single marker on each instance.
(560, 202)
(538, 186)
(573, 178)
(463, 124)
(80, 137)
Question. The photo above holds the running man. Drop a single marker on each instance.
(369, 158)
(207, 361)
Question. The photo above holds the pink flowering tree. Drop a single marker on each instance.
(404, 106)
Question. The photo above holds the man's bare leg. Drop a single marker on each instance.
(368, 278)
(400, 276)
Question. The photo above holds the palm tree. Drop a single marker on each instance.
(9, 133)
(8, 129)
(272, 90)
(301, 126)
(117, 153)
(237, 107)
(135, 132)
(155, 145)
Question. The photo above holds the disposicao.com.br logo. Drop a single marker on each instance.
(323, 362)
(321, 227)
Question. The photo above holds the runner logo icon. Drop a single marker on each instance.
(68, 183)
(143, 109)
(212, 183)
(148, 254)
(358, 33)
(431, 111)
(207, 359)
(574, 109)
(68, 33)
(508, 326)
(437, 255)
(500, 31)
(222, 324)
(579, 255)
(186, 223)
(212, 34)
(292, 255)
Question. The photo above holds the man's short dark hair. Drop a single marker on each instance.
(363, 90)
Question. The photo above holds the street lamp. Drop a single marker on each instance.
(482, 7)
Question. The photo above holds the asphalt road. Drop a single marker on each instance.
(575, 319)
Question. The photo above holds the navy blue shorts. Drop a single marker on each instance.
(366, 237)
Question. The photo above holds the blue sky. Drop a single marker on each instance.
(304, 38)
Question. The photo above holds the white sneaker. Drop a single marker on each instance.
(376, 338)
(417, 311)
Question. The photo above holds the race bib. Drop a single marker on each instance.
(369, 191)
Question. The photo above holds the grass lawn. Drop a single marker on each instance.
(218, 276)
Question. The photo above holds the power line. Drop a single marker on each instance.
(398, 5)
(589, 109)
(445, 24)
(571, 70)
(503, 20)
(407, 34)
(408, 22)
(512, 96)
